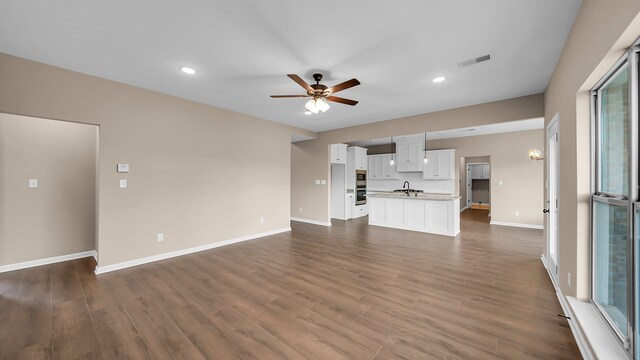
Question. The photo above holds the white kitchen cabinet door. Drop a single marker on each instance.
(430, 168)
(486, 171)
(374, 170)
(360, 158)
(476, 172)
(409, 159)
(445, 164)
(338, 153)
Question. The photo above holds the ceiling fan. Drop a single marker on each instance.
(319, 93)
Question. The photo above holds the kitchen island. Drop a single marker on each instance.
(429, 213)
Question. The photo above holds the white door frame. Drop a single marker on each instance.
(552, 182)
(469, 203)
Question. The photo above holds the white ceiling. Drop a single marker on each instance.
(521, 125)
(244, 49)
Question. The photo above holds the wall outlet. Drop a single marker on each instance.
(300, 209)
(33, 183)
(123, 183)
(261, 220)
(517, 213)
(160, 237)
(323, 182)
(569, 279)
(317, 182)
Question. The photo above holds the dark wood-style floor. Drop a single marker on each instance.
(349, 291)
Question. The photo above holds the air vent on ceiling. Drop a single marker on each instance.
(475, 61)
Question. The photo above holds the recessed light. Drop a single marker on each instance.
(187, 70)
(439, 79)
(307, 112)
(471, 130)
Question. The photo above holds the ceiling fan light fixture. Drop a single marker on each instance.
(317, 105)
(187, 70)
(322, 105)
(311, 106)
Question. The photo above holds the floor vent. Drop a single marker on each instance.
(475, 61)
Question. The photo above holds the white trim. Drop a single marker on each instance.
(581, 340)
(148, 259)
(314, 222)
(528, 226)
(464, 208)
(592, 335)
(47, 261)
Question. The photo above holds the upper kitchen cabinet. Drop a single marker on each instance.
(440, 165)
(480, 171)
(339, 153)
(358, 157)
(409, 157)
(380, 168)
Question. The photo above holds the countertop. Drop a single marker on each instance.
(412, 196)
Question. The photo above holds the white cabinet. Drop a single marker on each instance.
(380, 168)
(409, 157)
(486, 171)
(338, 153)
(480, 171)
(431, 216)
(357, 158)
(351, 203)
(359, 211)
(388, 170)
(374, 170)
(440, 165)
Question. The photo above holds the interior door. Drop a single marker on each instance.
(553, 202)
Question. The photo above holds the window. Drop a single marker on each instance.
(614, 216)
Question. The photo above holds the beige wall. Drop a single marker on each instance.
(310, 159)
(198, 174)
(522, 179)
(58, 217)
(600, 34)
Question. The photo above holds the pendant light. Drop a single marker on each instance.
(392, 153)
(425, 148)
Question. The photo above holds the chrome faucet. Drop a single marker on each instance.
(408, 187)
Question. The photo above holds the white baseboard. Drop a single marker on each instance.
(149, 259)
(314, 222)
(581, 340)
(47, 261)
(528, 226)
(464, 208)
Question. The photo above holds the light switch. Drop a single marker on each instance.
(123, 183)
(123, 168)
(500, 182)
(323, 182)
(33, 183)
(317, 182)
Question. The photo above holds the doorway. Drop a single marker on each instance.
(553, 202)
(49, 191)
(477, 183)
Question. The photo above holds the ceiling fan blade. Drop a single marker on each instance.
(300, 82)
(341, 100)
(288, 96)
(343, 86)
